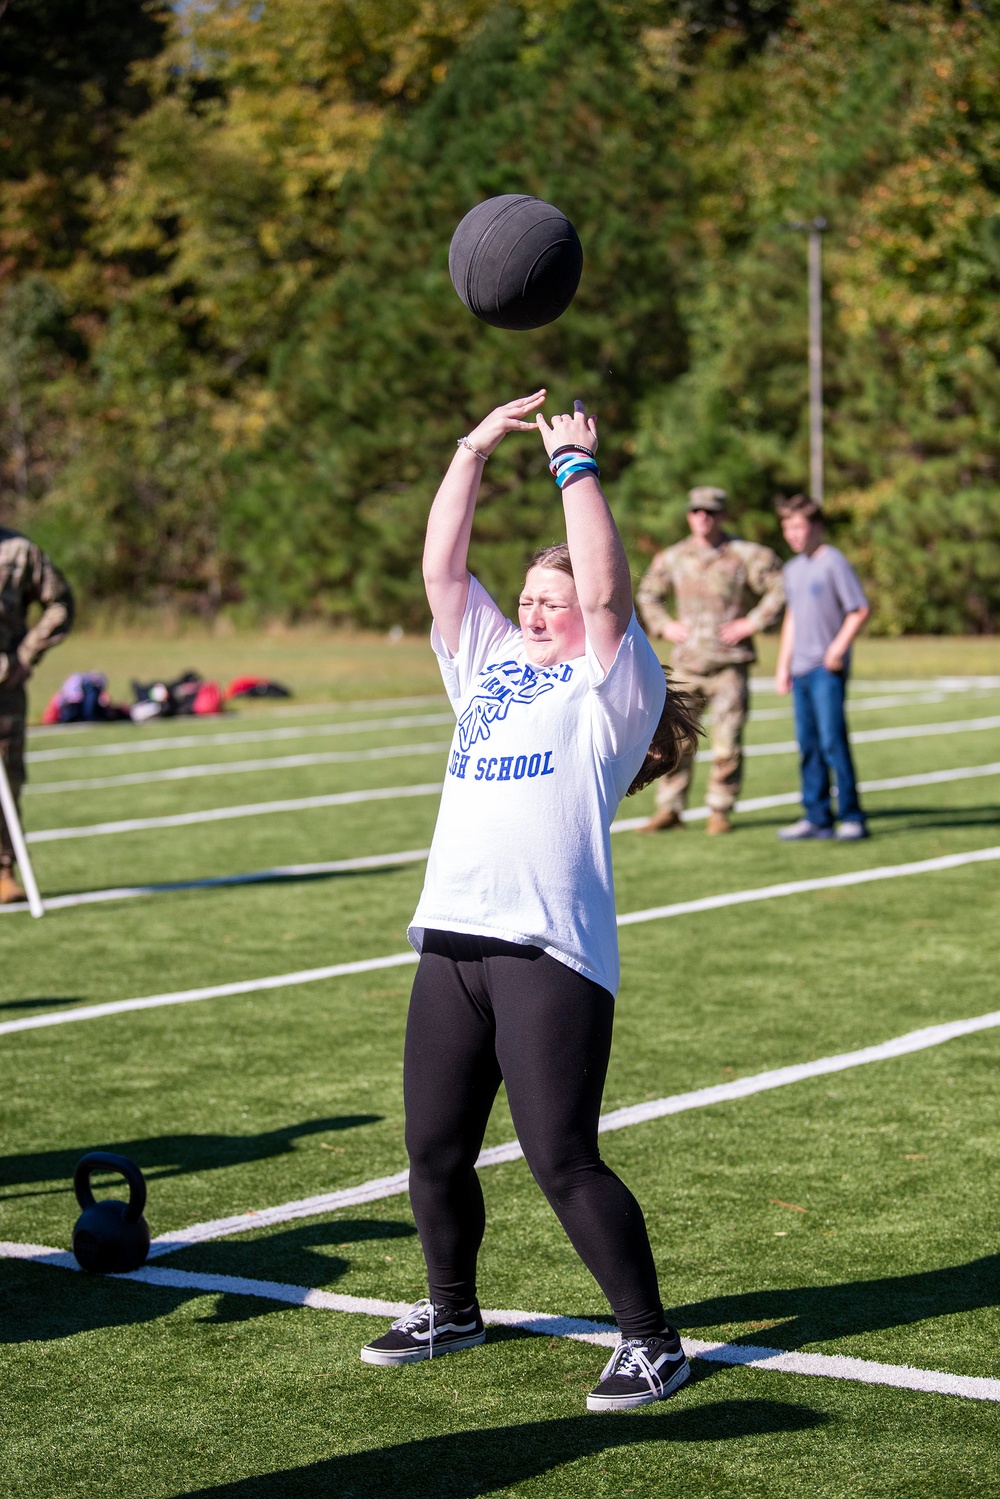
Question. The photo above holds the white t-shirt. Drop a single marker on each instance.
(540, 760)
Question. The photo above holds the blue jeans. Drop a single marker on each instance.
(821, 729)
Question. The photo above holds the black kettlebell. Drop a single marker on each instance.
(110, 1237)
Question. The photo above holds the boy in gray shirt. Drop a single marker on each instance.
(825, 610)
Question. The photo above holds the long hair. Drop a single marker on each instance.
(675, 735)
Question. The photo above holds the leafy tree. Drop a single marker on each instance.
(220, 215)
(883, 118)
(386, 368)
(65, 91)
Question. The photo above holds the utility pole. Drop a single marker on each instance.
(815, 229)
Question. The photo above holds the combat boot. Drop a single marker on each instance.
(11, 890)
(718, 822)
(661, 821)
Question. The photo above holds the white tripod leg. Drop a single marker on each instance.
(20, 847)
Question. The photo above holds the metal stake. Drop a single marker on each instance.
(9, 809)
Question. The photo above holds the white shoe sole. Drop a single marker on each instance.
(647, 1397)
(388, 1357)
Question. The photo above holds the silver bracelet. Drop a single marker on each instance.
(463, 442)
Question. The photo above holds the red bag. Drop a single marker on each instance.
(208, 699)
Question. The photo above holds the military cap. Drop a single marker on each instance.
(707, 497)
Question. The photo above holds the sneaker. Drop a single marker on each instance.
(426, 1331)
(849, 832)
(640, 1371)
(661, 821)
(803, 829)
(718, 822)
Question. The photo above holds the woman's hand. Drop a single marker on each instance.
(578, 430)
(510, 418)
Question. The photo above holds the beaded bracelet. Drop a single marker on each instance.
(463, 442)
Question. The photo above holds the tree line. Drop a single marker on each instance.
(232, 366)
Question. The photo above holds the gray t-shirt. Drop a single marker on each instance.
(820, 590)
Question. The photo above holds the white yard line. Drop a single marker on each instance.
(226, 814)
(256, 877)
(904, 684)
(248, 736)
(414, 855)
(792, 798)
(393, 960)
(356, 757)
(235, 767)
(388, 793)
(212, 991)
(642, 1113)
(544, 1324)
(856, 705)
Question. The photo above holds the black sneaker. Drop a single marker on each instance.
(640, 1371)
(426, 1331)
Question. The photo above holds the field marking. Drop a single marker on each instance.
(216, 882)
(855, 705)
(226, 814)
(798, 887)
(213, 991)
(248, 736)
(792, 798)
(902, 684)
(874, 736)
(233, 767)
(393, 960)
(414, 855)
(543, 1324)
(678, 1103)
(388, 793)
(356, 757)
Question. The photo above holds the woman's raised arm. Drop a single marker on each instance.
(449, 525)
(600, 567)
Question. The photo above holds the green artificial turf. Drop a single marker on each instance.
(850, 1214)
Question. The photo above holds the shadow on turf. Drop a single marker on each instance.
(920, 817)
(168, 1155)
(467, 1463)
(227, 882)
(821, 1314)
(42, 1302)
(37, 1004)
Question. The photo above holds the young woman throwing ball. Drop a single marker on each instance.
(516, 923)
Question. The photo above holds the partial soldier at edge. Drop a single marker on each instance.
(27, 577)
(724, 591)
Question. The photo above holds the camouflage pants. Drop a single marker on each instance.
(13, 711)
(726, 692)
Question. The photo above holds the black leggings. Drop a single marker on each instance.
(484, 1011)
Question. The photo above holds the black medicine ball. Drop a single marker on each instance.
(516, 261)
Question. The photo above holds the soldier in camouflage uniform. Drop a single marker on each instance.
(26, 577)
(724, 590)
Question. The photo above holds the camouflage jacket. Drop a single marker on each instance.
(710, 586)
(28, 577)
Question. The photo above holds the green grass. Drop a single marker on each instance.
(115, 1390)
(334, 665)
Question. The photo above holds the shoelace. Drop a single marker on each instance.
(629, 1359)
(422, 1311)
